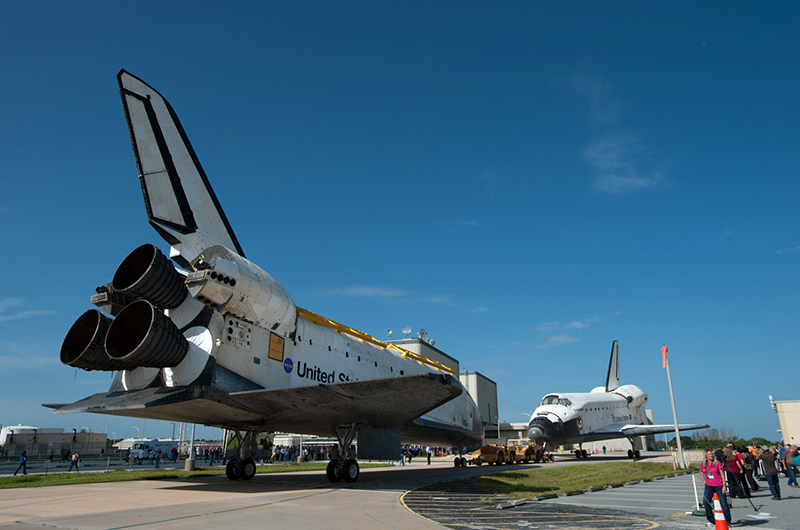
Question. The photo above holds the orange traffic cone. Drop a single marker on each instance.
(719, 516)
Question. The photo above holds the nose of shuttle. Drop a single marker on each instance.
(536, 432)
(540, 428)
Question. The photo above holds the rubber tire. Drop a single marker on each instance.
(351, 471)
(637, 455)
(232, 469)
(584, 454)
(247, 469)
(630, 453)
(463, 462)
(578, 454)
(332, 473)
(500, 458)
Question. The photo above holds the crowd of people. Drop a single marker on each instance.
(732, 471)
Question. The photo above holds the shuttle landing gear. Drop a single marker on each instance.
(343, 468)
(581, 453)
(633, 452)
(240, 466)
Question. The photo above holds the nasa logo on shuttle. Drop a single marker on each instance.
(288, 364)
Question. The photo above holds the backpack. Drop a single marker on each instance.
(749, 460)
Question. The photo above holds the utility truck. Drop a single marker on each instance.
(508, 452)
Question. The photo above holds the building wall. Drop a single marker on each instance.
(40, 444)
(484, 392)
(789, 418)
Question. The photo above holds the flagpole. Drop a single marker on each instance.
(664, 351)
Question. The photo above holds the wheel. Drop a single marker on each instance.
(463, 462)
(584, 454)
(513, 458)
(527, 457)
(637, 454)
(232, 469)
(456, 462)
(247, 469)
(630, 453)
(538, 457)
(332, 471)
(578, 454)
(350, 471)
(500, 458)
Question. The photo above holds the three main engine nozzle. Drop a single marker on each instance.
(141, 335)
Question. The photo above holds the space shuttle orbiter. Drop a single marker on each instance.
(612, 411)
(221, 343)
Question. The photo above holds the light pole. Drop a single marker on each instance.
(664, 351)
(138, 432)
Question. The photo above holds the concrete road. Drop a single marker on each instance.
(303, 500)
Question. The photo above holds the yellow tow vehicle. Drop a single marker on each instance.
(509, 452)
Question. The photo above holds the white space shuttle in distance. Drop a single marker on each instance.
(221, 343)
(611, 411)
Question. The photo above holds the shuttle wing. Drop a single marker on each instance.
(642, 430)
(314, 409)
(627, 430)
(181, 205)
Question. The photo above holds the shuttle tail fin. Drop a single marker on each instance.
(181, 205)
(612, 380)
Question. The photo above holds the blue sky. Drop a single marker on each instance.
(528, 181)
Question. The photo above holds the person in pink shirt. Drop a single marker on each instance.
(711, 471)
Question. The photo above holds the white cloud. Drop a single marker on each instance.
(787, 250)
(603, 105)
(558, 340)
(363, 291)
(548, 327)
(621, 161)
(396, 296)
(15, 356)
(490, 181)
(8, 303)
(441, 299)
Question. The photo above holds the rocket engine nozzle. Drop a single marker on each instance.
(83, 347)
(144, 336)
(147, 274)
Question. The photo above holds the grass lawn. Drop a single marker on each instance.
(123, 475)
(547, 480)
